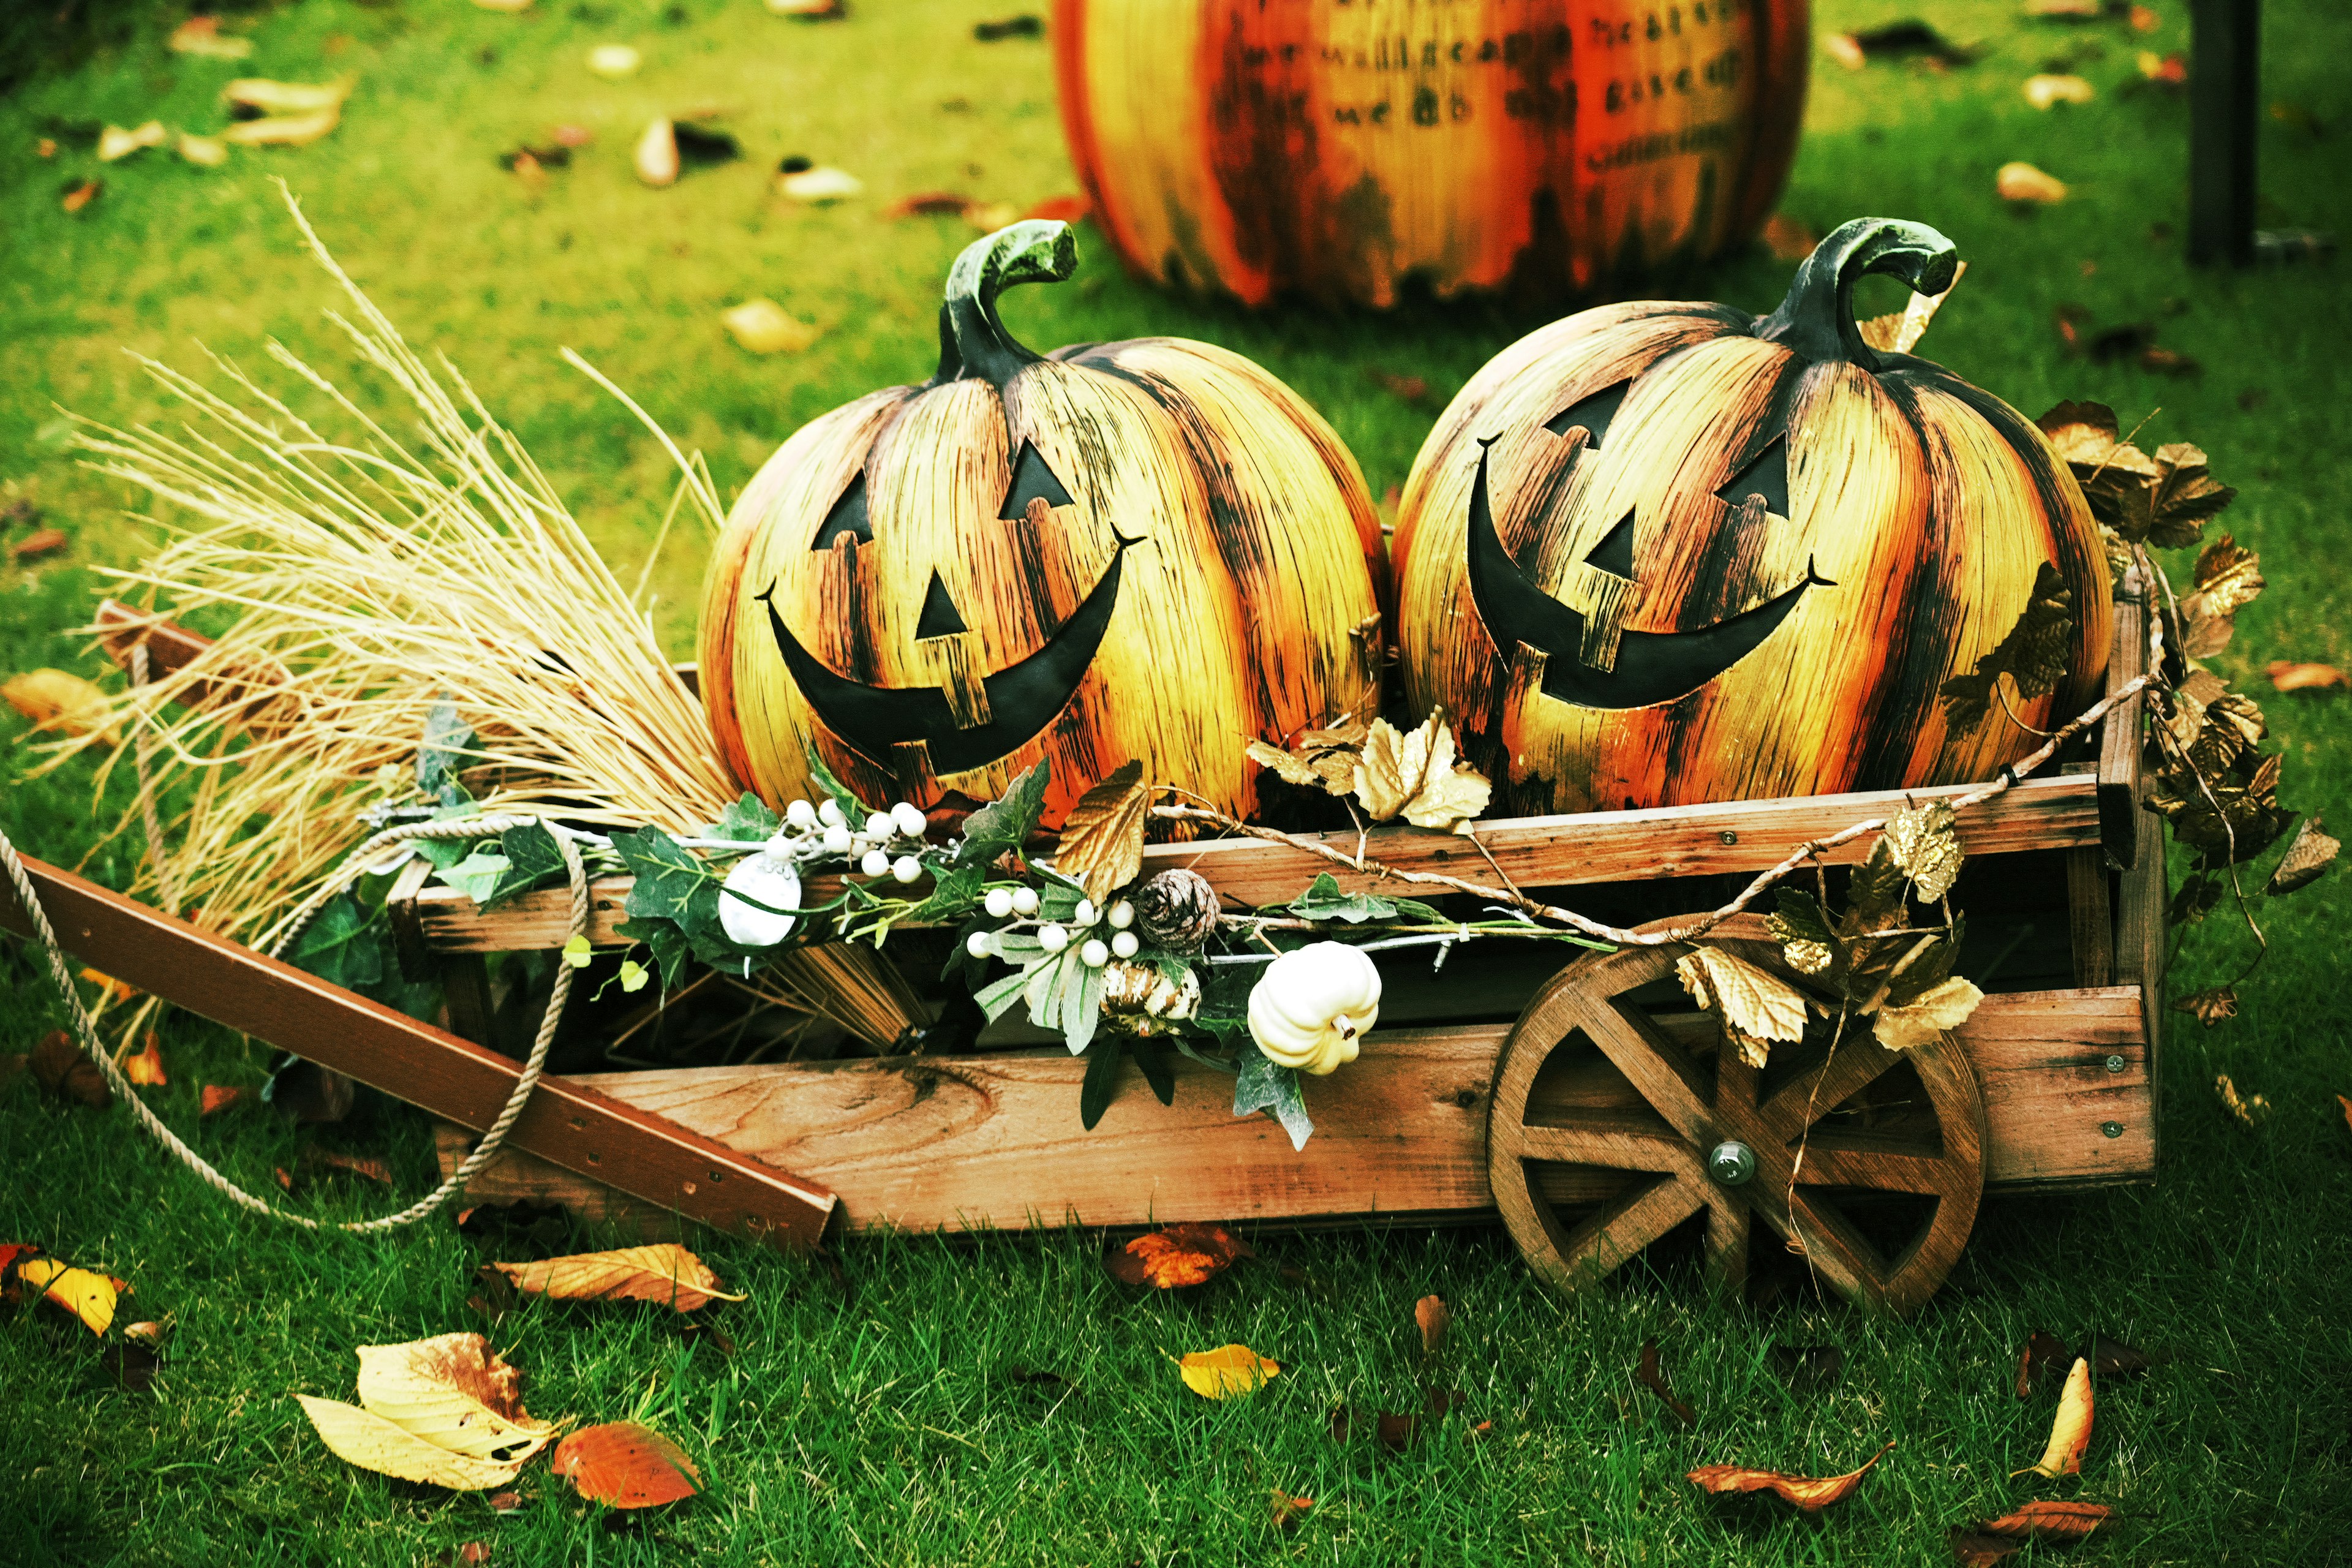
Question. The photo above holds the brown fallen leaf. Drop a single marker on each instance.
(2070, 1433)
(149, 1334)
(474, 1552)
(2287, 675)
(2023, 184)
(220, 1097)
(2044, 1352)
(64, 1070)
(33, 546)
(2113, 1358)
(146, 1068)
(505, 1502)
(1181, 1255)
(1433, 1318)
(1996, 1541)
(1655, 1381)
(79, 193)
(1806, 1493)
(623, 1465)
(57, 700)
(202, 36)
(665, 1272)
(1410, 390)
(366, 1166)
(2248, 1109)
(1285, 1510)
(2167, 72)
(2346, 1102)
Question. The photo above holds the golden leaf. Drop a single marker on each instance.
(90, 1296)
(2228, 578)
(453, 1393)
(1940, 1007)
(1758, 1008)
(1192, 1253)
(2034, 653)
(1924, 842)
(2048, 90)
(665, 1272)
(1101, 847)
(2308, 855)
(267, 97)
(1807, 956)
(57, 700)
(147, 1066)
(1805, 1492)
(1228, 1370)
(1900, 332)
(2069, 1434)
(360, 1438)
(2249, 1109)
(1417, 777)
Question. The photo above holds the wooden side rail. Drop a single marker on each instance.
(566, 1124)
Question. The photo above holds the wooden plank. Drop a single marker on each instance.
(2121, 743)
(961, 1142)
(2141, 937)
(2090, 919)
(578, 1128)
(2060, 812)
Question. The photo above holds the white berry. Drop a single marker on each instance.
(879, 825)
(909, 818)
(1122, 915)
(1124, 944)
(829, 813)
(1094, 956)
(1025, 900)
(981, 943)
(1052, 938)
(801, 815)
(875, 863)
(781, 846)
(998, 903)
(1084, 914)
(836, 840)
(906, 868)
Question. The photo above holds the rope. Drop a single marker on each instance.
(357, 863)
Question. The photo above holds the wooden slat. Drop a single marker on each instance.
(2090, 917)
(2060, 812)
(576, 1127)
(2121, 744)
(951, 1144)
(2140, 939)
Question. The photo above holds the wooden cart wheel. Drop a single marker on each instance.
(1633, 1113)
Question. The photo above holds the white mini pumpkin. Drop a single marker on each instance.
(1310, 1007)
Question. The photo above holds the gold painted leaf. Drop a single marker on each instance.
(666, 1272)
(2229, 576)
(1101, 847)
(87, 1295)
(2034, 655)
(2308, 855)
(360, 1438)
(2230, 819)
(2184, 496)
(1937, 1009)
(1334, 771)
(1227, 1370)
(453, 1392)
(1416, 776)
(1757, 1007)
(1925, 843)
(2069, 1434)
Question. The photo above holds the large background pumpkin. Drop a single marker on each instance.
(1658, 553)
(1146, 549)
(1335, 148)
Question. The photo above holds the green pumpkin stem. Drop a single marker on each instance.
(972, 341)
(1816, 320)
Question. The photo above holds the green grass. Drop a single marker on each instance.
(888, 1428)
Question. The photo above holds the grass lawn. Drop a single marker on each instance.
(890, 1427)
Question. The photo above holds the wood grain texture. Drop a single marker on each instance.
(1330, 149)
(2060, 812)
(2090, 917)
(2123, 738)
(995, 1140)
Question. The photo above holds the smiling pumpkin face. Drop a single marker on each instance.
(1661, 553)
(1150, 548)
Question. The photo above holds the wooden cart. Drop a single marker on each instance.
(1587, 1104)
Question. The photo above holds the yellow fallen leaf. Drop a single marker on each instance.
(267, 97)
(205, 151)
(2024, 182)
(656, 155)
(990, 216)
(1226, 1370)
(1935, 1009)
(764, 327)
(57, 700)
(373, 1443)
(202, 36)
(284, 129)
(115, 142)
(2071, 1432)
(820, 184)
(1758, 1008)
(666, 1272)
(87, 1296)
(453, 1393)
(2046, 90)
(147, 1066)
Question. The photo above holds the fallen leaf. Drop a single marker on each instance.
(1022, 26)
(2113, 1358)
(360, 1438)
(614, 61)
(2308, 855)
(1790, 238)
(147, 1334)
(2046, 90)
(623, 1465)
(810, 10)
(1285, 1510)
(1806, 1493)
(1656, 1382)
(2346, 1102)
(1228, 1370)
(2249, 1109)
(364, 1165)
(1942, 1007)
(1059, 209)
(505, 1502)
(1900, 332)
(665, 1272)
(571, 136)
(2169, 71)
(1997, 1540)
(1394, 1432)
(115, 144)
(64, 1070)
(656, 157)
(474, 1552)
(820, 184)
(2169, 362)
(2209, 1007)
(2069, 1434)
(1809, 1369)
(132, 1365)
(764, 327)
(1417, 776)
(204, 151)
(146, 1068)
(1758, 1008)
(2143, 19)
(1101, 847)
(1177, 1256)
(2299, 117)
(453, 1394)
(1433, 1318)
(91, 1297)
(202, 36)
(2022, 182)
(2287, 675)
(284, 129)
(57, 700)
(109, 989)
(2044, 1354)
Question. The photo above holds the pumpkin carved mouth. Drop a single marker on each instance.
(1651, 667)
(884, 722)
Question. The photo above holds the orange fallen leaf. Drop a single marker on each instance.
(35, 545)
(2346, 1102)
(147, 1067)
(1286, 1510)
(80, 193)
(1805, 1492)
(1226, 1370)
(626, 1466)
(1434, 1318)
(366, 1165)
(1996, 1541)
(1181, 1255)
(2043, 1352)
(109, 989)
(90, 1296)
(474, 1552)
(1652, 1378)
(220, 1097)
(2287, 675)
(1789, 239)
(1059, 209)
(665, 1272)
(2069, 1434)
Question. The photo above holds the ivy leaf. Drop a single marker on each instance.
(746, 820)
(2308, 855)
(1006, 822)
(671, 883)
(1323, 900)
(2035, 653)
(532, 857)
(954, 892)
(1924, 842)
(447, 739)
(1265, 1086)
(1101, 845)
(343, 946)
(854, 809)
(478, 875)
(1104, 1058)
(669, 946)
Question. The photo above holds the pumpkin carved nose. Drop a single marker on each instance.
(940, 618)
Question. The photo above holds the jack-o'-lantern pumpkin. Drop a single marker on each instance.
(1150, 548)
(1659, 553)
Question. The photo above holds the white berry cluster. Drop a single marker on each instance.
(1019, 905)
(883, 845)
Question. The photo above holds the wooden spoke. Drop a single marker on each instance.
(1584, 1007)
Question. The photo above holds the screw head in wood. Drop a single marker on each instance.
(2112, 1128)
(1731, 1164)
(2115, 1064)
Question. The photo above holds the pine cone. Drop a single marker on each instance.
(1175, 910)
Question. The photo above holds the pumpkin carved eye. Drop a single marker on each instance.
(1593, 412)
(1031, 480)
(940, 618)
(848, 520)
(1766, 477)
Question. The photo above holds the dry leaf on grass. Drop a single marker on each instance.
(114, 143)
(79, 193)
(819, 185)
(764, 327)
(2044, 1353)
(2024, 183)
(147, 1067)
(2287, 675)
(220, 1097)
(64, 1070)
(39, 544)
(453, 1392)
(1285, 1510)
(1997, 1540)
(1757, 1007)
(2248, 1109)
(1416, 776)
(55, 700)
(1804, 1492)
(1101, 847)
(2048, 90)
(89, 1296)
(373, 1443)
(665, 1272)
(623, 1465)
(283, 114)
(1653, 1379)
(1177, 1256)
(202, 36)
(1433, 1318)
(2069, 1434)
(1227, 1370)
